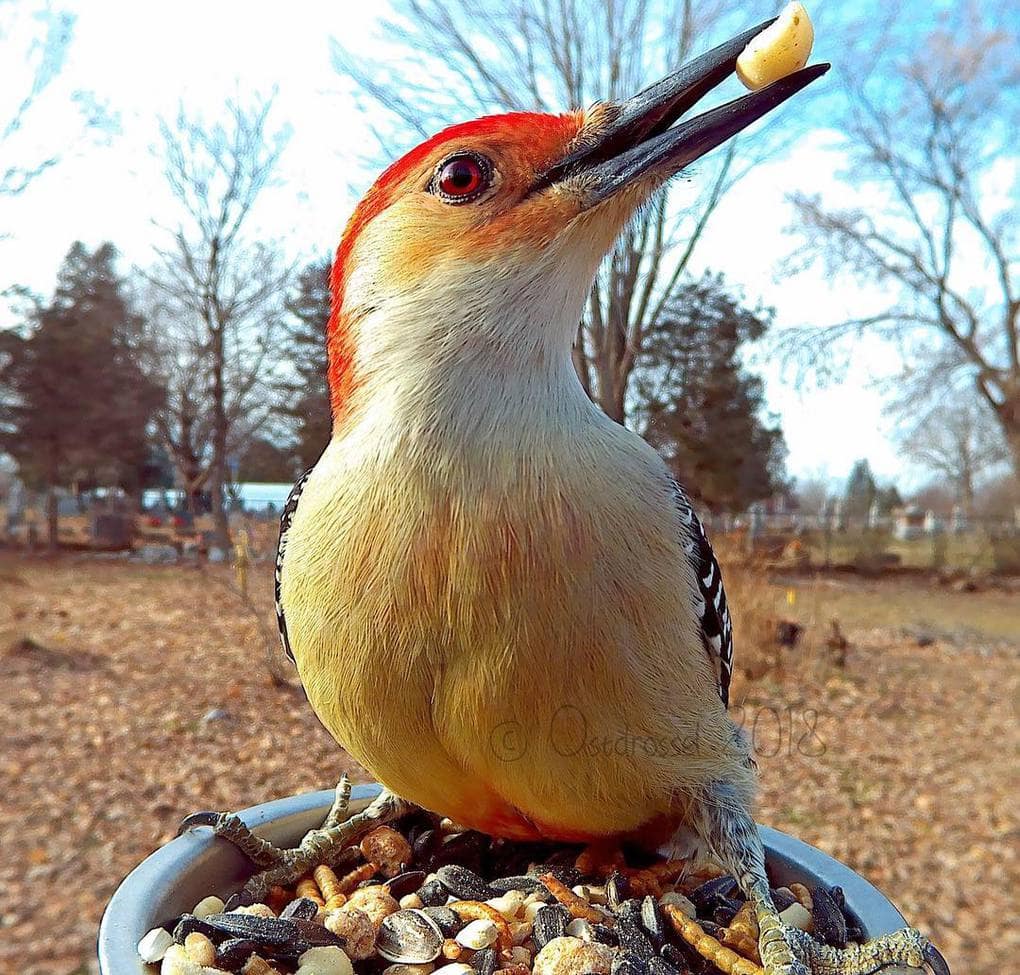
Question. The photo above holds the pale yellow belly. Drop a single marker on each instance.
(515, 657)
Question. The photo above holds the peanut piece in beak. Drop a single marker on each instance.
(778, 50)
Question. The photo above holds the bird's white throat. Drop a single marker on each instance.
(481, 353)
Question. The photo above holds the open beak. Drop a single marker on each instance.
(640, 137)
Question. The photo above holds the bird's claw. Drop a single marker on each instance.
(205, 818)
(934, 960)
(906, 947)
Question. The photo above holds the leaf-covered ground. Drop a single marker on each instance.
(904, 765)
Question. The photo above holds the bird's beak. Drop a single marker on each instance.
(637, 137)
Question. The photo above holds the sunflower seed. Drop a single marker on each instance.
(449, 921)
(653, 921)
(484, 961)
(628, 964)
(659, 966)
(523, 883)
(406, 883)
(633, 939)
(828, 921)
(464, 883)
(707, 897)
(550, 922)
(433, 894)
(189, 923)
(782, 897)
(234, 953)
(725, 911)
(676, 957)
(301, 907)
(631, 909)
(617, 889)
(568, 876)
(311, 934)
(409, 938)
(604, 934)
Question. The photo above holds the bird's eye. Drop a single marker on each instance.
(462, 178)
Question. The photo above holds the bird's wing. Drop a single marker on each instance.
(281, 547)
(710, 604)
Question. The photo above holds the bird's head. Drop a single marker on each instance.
(480, 245)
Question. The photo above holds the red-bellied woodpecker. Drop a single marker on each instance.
(483, 574)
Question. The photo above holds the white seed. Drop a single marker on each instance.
(508, 904)
(580, 928)
(778, 50)
(153, 946)
(582, 891)
(177, 962)
(597, 895)
(477, 934)
(797, 916)
(454, 968)
(200, 949)
(410, 902)
(207, 906)
(680, 902)
(325, 961)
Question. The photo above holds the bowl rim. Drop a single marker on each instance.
(119, 932)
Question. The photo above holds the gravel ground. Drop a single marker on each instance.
(903, 765)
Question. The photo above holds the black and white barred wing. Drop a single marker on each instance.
(281, 547)
(711, 608)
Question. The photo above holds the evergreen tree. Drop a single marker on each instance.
(75, 404)
(861, 491)
(697, 404)
(307, 397)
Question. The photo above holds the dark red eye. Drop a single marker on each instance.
(462, 178)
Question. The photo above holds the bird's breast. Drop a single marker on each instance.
(484, 630)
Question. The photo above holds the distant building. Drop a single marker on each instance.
(909, 523)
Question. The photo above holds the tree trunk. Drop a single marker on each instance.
(219, 442)
(52, 518)
(1013, 440)
(1008, 415)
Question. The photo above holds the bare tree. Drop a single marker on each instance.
(225, 291)
(42, 36)
(460, 58)
(813, 493)
(929, 137)
(959, 441)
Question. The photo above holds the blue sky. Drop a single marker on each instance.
(143, 59)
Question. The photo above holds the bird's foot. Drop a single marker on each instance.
(324, 845)
(786, 950)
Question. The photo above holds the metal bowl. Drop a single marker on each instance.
(180, 874)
